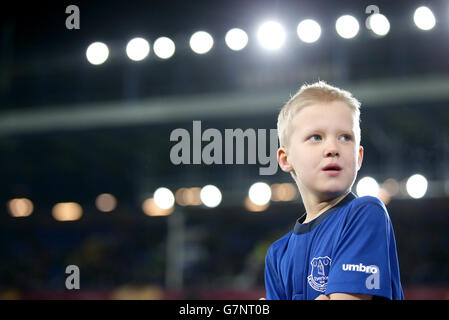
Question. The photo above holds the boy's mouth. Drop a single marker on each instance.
(332, 167)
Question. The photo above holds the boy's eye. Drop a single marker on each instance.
(346, 137)
(315, 137)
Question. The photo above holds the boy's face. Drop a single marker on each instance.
(323, 134)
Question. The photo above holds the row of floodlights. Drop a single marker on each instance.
(163, 201)
(258, 199)
(271, 36)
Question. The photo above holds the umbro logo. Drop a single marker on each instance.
(359, 268)
(372, 281)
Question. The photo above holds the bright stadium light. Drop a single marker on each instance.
(271, 35)
(97, 53)
(106, 202)
(236, 39)
(252, 207)
(164, 198)
(67, 211)
(424, 18)
(367, 186)
(150, 208)
(260, 193)
(308, 31)
(379, 24)
(211, 196)
(164, 48)
(137, 49)
(347, 26)
(201, 42)
(416, 186)
(283, 191)
(20, 207)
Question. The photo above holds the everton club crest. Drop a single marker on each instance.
(319, 273)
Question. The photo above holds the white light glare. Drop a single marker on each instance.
(424, 18)
(260, 193)
(201, 42)
(164, 48)
(308, 31)
(416, 186)
(367, 186)
(211, 196)
(164, 198)
(97, 53)
(236, 39)
(347, 26)
(271, 35)
(137, 49)
(379, 24)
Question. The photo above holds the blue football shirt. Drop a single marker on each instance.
(349, 248)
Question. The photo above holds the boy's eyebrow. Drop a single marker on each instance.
(314, 128)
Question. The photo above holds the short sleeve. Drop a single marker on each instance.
(273, 285)
(361, 259)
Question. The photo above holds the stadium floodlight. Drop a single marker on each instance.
(67, 211)
(367, 186)
(260, 193)
(283, 191)
(308, 31)
(97, 53)
(211, 196)
(137, 49)
(20, 207)
(392, 186)
(164, 198)
(347, 26)
(150, 208)
(416, 186)
(106, 202)
(424, 18)
(379, 24)
(164, 47)
(236, 39)
(201, 42)
(252, 207)
(271, 35)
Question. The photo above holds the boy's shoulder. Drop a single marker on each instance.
(367, 205)
(367, 201)
(280, 245)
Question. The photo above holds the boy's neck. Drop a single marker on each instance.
(315, 206)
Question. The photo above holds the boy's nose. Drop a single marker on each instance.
(332, 153)
(331, 150)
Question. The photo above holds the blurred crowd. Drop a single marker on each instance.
(218, 252)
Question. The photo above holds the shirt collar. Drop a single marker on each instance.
(301, 228)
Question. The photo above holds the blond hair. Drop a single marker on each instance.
(310, 94)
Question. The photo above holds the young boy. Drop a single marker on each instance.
(343, 247)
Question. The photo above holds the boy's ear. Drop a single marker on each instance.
(360, 158)
(283, 160)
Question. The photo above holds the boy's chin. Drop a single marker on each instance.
(327, 195)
